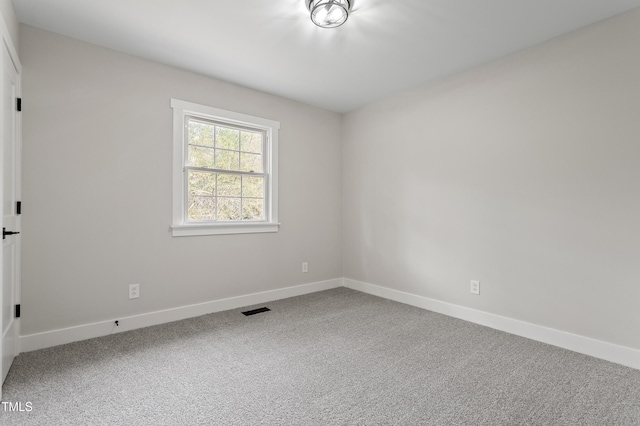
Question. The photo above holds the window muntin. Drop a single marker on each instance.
(225, 171)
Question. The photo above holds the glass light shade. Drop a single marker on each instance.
(329, 13)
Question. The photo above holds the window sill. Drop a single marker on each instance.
(223, 228)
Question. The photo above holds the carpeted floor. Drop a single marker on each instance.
(337, 357)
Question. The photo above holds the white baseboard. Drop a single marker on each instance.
(32, 342)
(584, 345)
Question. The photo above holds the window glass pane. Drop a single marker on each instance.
(252, 209)
(228, 185)
(251, 142)
(200, 157)
(227, 138)
(200, 133)
(201, 208)
(228, 208)
(202, 183)
(227, 160)
(251, 162)
(252, 186)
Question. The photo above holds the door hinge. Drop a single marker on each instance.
(19, 104)
(18, 207)
(18, 311)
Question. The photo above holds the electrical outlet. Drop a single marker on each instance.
(305, 267)
(475, 287)
(134, 291)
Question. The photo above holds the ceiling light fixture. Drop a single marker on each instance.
(329, 13)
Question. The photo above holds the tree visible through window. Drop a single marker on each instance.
(225, 167)
(225, 171)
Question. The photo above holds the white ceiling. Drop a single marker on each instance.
(271, 45)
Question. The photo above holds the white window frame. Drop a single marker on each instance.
(180, 226)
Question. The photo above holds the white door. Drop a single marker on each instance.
(10, 187)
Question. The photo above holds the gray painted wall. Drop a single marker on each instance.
(11, 21)
(523, 174)
(97, 134)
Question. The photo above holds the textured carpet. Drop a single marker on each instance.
(335, 357)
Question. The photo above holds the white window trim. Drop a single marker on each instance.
(180, 227)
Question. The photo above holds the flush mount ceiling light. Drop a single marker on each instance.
(329, 13)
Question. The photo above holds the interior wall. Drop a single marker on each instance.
(97, 135)
(522, 174)
(11, 21)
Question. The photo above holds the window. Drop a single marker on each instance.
(225, 177)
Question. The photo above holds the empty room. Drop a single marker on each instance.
(320, 212)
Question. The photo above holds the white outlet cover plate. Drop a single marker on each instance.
(134, 291)
(475, 287)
